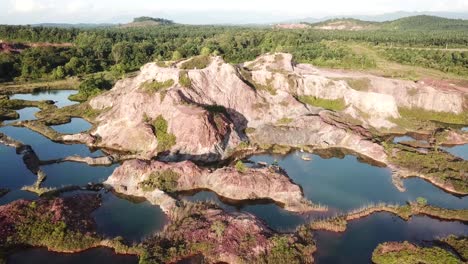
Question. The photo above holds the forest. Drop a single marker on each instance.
(120, 50)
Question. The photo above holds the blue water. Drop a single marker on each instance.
(77, 125)
(91, 256)
(27, 113)
(132, 220)
(74, 173)
(58, 96)
(274, 216)
(44, 147)
(459, 151)
(13, 172)
(362, 236)
(346, 183)
(340, 184)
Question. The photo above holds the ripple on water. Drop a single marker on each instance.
(91, 256)
(60, 97)
(133, 220)
(362, 236)
(77, 125)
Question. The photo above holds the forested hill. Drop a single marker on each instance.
(426, 23)
(414, 23)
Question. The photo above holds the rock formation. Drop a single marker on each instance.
(251, 184)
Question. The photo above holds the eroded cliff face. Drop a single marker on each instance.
(263, 94)
(251, 184)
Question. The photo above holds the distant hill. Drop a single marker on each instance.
(147, 22)
(382, 17)
(422, 22)
(425, 22)
(345, 24)
(79, 25)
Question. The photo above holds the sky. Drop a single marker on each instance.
(206, 11)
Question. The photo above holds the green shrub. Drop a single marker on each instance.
(421, 201)
(334, 105)
(165, 180)
(240, 166)
(165, 140)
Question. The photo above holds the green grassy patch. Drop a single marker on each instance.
(155, 86)
(334, 105)
(165, 140)
(198, 62)
(406, 253)
(184, 79)
(165, 180)
(419, 114)
(436, 164)
(460, 245)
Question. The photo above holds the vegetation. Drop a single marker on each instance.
(334, 105)
(197, 62)
(240, 166)
(419, 114)
(406, 253)
(159, 20)
(218, 227)
(165, 180)
(91, 87)
(165, 140)
(121, 50)
(155, 86)
(184, 79)
(284, 121)
(361, 84)
(460, 245)
(438, 166)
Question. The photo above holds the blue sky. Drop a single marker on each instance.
(206, 11)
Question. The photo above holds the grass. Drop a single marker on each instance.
(406, 253)
(155, 86)
(333, 105)
(339, 223)
(35, 86)
(198, 62)
(420, 114)
(437, 165)
(460, 245)
(165, 180)
(361, 84)
(184, 79)
(165, 140)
